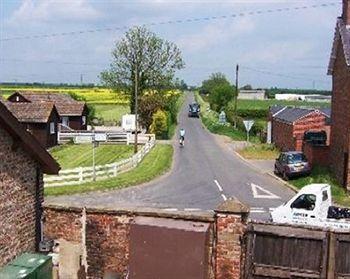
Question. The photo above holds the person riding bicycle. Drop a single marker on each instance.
(182, 135)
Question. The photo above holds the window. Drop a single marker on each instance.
(305, 201)
(83, 119)
(296, 158)
(52, 128)
(17, 98)
(324, 195)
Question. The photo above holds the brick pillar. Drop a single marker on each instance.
(231, 219)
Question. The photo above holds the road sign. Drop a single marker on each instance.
(248, 124)
(100, 137)
(222, 118)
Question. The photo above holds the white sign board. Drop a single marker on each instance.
(128, 122)
(222, 118)
(248, 124)
(83, 139)
(100, 137)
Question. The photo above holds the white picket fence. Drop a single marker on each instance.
(87, 174)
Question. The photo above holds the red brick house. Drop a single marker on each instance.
(72, 113)
(22, 166)
(288, 125)
(339, 68)
(40, 119)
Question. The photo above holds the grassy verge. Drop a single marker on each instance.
(211, 120)
(172, 126)
(156, 163)
(323, 175)
(111, 113)
(260, 152)
(80, 155)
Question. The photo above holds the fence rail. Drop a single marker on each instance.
(112, 137)
(87, 174)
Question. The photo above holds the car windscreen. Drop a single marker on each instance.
(296, 158)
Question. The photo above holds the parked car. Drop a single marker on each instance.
(193, 110)
(291, 164)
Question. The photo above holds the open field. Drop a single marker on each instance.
(265, 104)
(93, 95)
(156, 163)
(111, 112)
(80, 155)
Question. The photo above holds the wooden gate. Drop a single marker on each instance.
(341, 255)
(276, 251)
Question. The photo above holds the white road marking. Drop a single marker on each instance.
(170, 209)
(267, 195)
(257, 211)
(218, 185)
(260, 210)
(192, 209)
(224, 197)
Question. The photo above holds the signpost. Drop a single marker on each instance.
(248, 124)
(222, 118)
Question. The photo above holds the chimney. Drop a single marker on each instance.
(346, 12)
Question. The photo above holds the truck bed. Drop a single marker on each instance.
(337, 213)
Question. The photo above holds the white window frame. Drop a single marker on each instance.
(52, 128)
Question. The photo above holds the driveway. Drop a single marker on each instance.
(205, 172)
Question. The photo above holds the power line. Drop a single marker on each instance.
(178, 21)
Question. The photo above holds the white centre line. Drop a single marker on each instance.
(218, 185)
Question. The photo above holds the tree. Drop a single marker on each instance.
(247, 87)
(214, 80)
(150, 102)
(159, 125)
(220, 96)
(141, 55)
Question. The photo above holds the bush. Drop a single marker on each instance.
(159, 125)
(253, 113)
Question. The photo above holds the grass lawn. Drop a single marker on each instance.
(80, 155)
(110, 112)
(265, 104)
(156, 163)
(260, 152)
(323, 175)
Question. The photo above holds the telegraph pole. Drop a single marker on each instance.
(136, 103)
(236, 96)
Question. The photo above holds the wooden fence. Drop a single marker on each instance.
(86, 174)
(281, 251)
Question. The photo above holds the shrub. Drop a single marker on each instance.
(159, 125)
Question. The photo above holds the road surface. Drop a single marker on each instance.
(205, 173)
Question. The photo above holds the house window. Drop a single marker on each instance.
(65, 121)
(52, 128)
(17, 98)
(84, 119)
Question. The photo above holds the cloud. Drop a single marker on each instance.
(36, 12)
(215, 34)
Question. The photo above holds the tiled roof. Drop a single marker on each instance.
(275, 108)
(65, 104)
(342, 34)
(31, 112)
(290, 114)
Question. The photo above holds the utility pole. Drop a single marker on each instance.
(136, 103)
(236, 96)
(81, 79)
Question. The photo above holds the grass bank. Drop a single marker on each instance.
(211, 120)
(323, 175)
(172, 126)
(259, 152)
(80, 155)
(156, 163)
(111, 113)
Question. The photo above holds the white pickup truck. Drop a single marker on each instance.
(312, 206)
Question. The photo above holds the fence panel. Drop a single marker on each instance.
(276, 251)
(342, 255)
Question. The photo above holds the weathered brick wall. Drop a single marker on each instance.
(107, 237)
(18, 191)
(340, 118)
(317, 155)
(282, 135)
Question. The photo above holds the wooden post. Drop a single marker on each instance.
(331, 255)
(115, 169)
(81, 177)
(136, 108)
(236, 96)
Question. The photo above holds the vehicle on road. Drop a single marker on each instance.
(312, 206)
(193, 110)
(291, 164)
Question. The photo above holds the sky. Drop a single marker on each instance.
(274, 47)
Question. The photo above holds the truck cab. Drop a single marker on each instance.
(307, 207)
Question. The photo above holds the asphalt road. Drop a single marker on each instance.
(206, 172)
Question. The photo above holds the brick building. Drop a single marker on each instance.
(289, 124)
(72, 113)
(40, 119)
(339, 69)
(23, 162)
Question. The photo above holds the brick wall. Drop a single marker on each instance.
(21, 188)
(107, 236)
(282, 135)
(317, 155)
(340, 118)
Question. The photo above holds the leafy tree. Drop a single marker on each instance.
(159, 125)
(143, 56)
(150, 102)
(214, 80)
(220, 96)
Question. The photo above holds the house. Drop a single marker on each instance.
(40, 119)
(252, 94)
(72, 113)
(23, 162)
(288, 125)
(339, 68)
